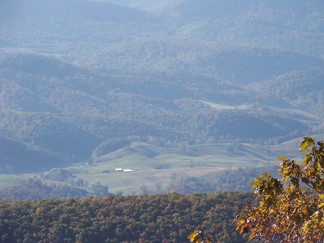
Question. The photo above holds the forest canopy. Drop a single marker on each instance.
(140, 218)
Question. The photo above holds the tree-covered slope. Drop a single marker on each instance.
(95, 83)
(156, 218)
(67, 112)
(302, 89)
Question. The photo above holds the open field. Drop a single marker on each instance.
(145, 168)
(11, 180)
(166, 166)
(226, 107)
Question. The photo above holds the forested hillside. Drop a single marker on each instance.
(156, 218)
(169, 91)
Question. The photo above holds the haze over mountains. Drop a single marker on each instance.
(157, 86)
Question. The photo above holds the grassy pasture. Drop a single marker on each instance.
(226, 107)
(11, 180)
(167, 164)
(154, 168)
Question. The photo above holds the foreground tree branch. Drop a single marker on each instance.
(290, 209)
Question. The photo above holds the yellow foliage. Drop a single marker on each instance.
(286, 212)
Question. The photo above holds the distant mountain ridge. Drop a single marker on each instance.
(62, 109)
(172, 90)
(96, 10)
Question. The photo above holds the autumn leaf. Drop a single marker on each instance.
(294, 213)
(193, 237)
(308, 141)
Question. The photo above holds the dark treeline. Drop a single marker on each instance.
(35, 189)
(140, 218)
(229, 180)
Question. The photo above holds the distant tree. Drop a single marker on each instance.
(99, 190)
(290, 209)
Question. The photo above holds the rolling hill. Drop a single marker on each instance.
(96, 85)
(69, 111)
(302, 89)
